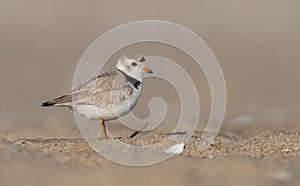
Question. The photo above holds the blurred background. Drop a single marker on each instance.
(256, 43)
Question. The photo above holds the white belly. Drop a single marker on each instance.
(108, 112)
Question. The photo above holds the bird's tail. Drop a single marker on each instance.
(61, 101)
(48, 104)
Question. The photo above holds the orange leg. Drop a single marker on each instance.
(103, 129)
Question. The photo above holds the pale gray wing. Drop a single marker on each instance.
(109, 88)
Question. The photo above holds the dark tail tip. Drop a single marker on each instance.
(47, 104)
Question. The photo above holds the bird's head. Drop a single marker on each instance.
(133, 65)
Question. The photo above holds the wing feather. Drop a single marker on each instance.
(109, 88)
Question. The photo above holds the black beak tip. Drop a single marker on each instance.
(150, 71)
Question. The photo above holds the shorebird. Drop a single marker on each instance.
(109, 95)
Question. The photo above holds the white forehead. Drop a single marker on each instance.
(130, 60)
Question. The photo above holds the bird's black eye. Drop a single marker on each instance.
(142, 59)
(134, 64)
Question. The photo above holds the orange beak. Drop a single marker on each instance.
(148, 70)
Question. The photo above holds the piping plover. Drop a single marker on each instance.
(110, 95)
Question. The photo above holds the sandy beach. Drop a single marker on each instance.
(269, 158)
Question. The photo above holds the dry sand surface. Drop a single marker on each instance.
(270, 158)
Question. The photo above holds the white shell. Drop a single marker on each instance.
(176, 149)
